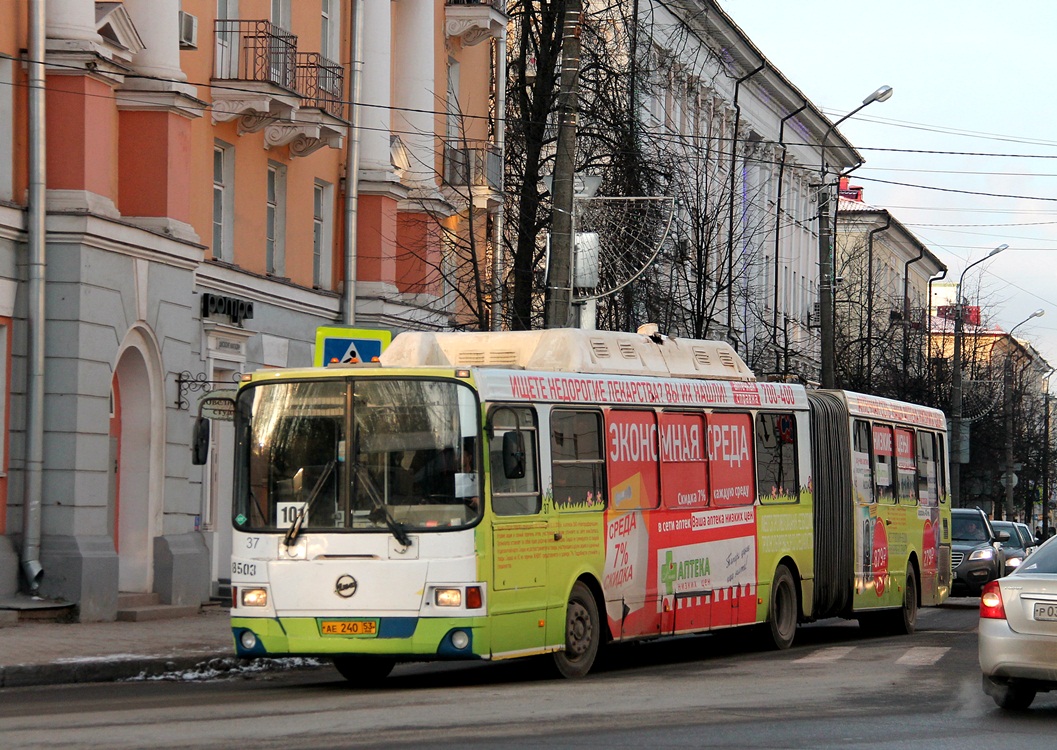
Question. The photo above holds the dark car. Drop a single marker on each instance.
(1016, 547)
(976, 552)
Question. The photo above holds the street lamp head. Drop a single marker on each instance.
(998, 249)
(882, 94)
(1037, 314)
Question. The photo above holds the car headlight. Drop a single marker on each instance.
(982, 554)
(1014, 562)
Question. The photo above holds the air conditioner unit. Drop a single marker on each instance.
(188, 31)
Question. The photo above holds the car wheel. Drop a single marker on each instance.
(905, 620)
(1010, 696)
(782, 612)
(582, 634)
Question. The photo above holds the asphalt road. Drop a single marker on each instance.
(834, 689)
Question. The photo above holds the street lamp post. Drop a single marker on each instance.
(1007, 478)
(956, 384)
(825, 250)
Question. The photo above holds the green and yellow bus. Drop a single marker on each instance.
(502, 495)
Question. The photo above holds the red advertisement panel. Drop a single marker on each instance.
(685, 472)
(631, 447)
(905, 456)
(882, 440)
(730, 459)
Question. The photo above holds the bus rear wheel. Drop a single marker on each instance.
(364, 671)
(582, 634)
(905, 620)
(782, 610)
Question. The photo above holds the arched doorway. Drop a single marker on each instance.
(133, 503)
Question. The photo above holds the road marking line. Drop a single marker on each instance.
(825, 655)
(922, 656)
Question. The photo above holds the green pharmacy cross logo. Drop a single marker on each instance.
(669, 573)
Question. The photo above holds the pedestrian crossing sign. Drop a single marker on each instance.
(342, 345)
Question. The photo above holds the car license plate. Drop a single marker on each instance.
(348, 627)
(1044, 611)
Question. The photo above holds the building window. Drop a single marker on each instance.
(281, 14)
(7, 139)
(275, 220)
(223, 201)
(5, 385)
(322, 221)
(328, 22)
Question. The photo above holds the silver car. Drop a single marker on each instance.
(1018, 631)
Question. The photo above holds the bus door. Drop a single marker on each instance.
(935, 576)
(522, 532)
(578, 498)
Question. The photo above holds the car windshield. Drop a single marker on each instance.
(1042, 560)
(357, 454)
(969, 528)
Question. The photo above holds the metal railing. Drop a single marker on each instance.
(320, 82)
(499, 5)
(255, 51)
(472, 164)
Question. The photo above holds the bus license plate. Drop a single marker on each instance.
(349, 627)
(1045, 611)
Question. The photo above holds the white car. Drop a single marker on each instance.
(1018, 631)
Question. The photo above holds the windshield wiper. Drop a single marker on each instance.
(295, 528)
(395, 527)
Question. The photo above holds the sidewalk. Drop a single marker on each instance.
(49, 653)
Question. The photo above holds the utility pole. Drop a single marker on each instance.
(1046, 457)
(826, 280)
(558, 310)
(1007, 479)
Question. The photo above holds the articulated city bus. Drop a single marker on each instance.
(501, 495)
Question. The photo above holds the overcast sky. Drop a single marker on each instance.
(971, 77)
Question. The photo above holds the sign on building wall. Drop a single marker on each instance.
(338, 344)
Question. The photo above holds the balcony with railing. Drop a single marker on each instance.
(321, 83)
(474, 21)
(473, 164)
(260, 79)
(259, 59)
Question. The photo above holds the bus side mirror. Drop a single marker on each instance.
(200, 442)
(513, 455)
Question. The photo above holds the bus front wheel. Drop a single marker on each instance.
(782, 610)
(582, 634)
(364, 671)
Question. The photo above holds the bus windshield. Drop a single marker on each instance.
(356, 454)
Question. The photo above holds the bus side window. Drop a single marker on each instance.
(514, 496)
(884, 464)
(906, 465)
(577, 461)
(862, 466)
(776, 458)
(927, 484)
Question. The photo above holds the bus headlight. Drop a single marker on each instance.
(254, 597)
(248, 640)
(448, 597)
